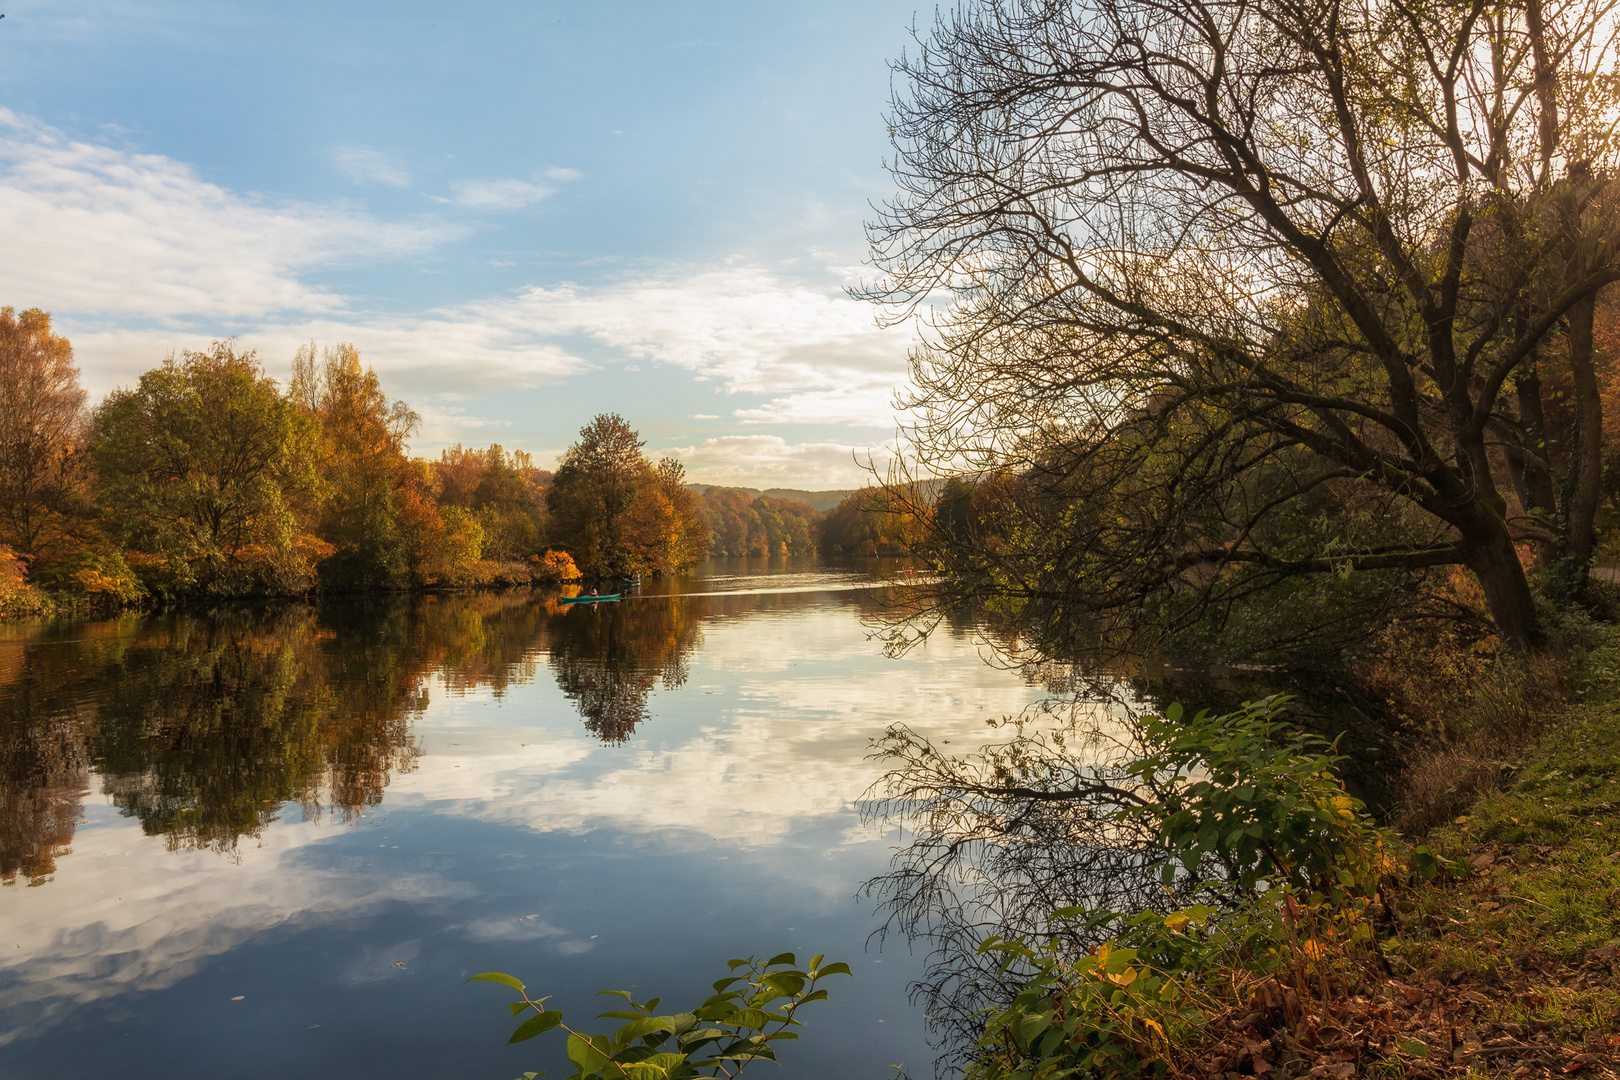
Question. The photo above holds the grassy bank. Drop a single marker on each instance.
(1486, 944)
(1510, 966)
(1517, 967)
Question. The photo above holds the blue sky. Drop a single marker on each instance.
(522, 214)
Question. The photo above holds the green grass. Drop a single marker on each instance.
(1530, 938)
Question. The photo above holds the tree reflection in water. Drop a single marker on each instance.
(608, 657)
(205, 726)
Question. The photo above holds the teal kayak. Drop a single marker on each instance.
(588, 599)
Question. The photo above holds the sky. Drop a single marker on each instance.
(522, 214)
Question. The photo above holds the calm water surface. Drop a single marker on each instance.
(273, 841)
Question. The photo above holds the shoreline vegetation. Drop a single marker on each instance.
(209, 480)
(1477, 935)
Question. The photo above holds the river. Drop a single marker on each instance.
(273, 840)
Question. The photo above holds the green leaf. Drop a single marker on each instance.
(699, 1036)
(839, 968)
(789, 982)
(535, 1025)
(754, 1019)
(780, 958)
(1031, 1026)
(645, 1025)
(586, 1054)
(518, 1006)
(498, 977)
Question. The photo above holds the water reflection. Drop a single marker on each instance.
(406, 790)
(608, 658)
(207, 728)
(200, 728)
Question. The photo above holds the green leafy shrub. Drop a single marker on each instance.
(737, 1025)
(1259, 798)
(1107, 1014)
(1251, 811)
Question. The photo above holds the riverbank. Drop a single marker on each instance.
(19, 599)
(1484, 943)
(1508, 967)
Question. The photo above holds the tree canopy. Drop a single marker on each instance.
(1247, 292)
(204, 460)
(617, 513)
(44, 434)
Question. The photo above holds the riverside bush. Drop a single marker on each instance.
(1261, 799)
(1294, 864)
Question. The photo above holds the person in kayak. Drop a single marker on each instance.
(592, 592)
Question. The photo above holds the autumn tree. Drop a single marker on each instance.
(202, 462)
(1250, 293)
(744, 523)
(507, 492)
(876, 521)
(667, 532)
(44, 435)
(372, 503)
(615, 512)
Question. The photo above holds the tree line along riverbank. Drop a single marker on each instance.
(209, 479)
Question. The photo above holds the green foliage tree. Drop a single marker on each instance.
(202, 464)
(616, 513)
(590, 498)
(510, 501)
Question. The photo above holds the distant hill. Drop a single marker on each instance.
(819, 500)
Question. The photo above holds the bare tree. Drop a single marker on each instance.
(1257, 289)
(44, 431)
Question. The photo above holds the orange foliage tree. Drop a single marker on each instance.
(44, 435)
(372, 506)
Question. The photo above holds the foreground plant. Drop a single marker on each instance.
(735, 1026)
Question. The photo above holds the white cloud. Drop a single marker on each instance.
(142, 924)
(426, 358)
(749, 329)
(95, 230)
(764, 461)
(497, 194)
(365, 165)
(868, 403)
(137, 256)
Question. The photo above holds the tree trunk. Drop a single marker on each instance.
(1585, 486)
(1538, 491)
(1495, 562)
